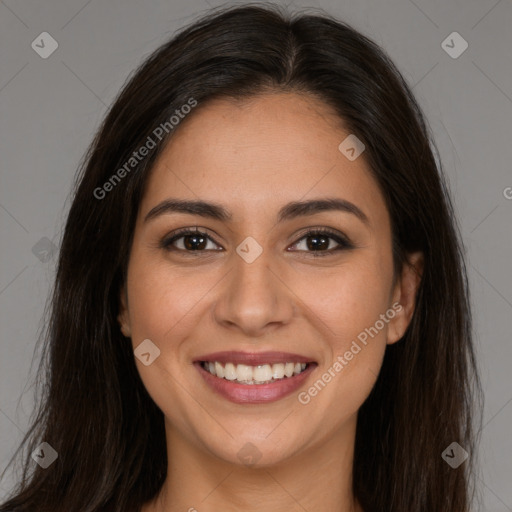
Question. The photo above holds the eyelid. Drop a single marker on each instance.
(340, 238)
(330, 232)
(167, 241)
(344, 243)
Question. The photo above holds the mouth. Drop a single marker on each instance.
(250, 375)
(254, 377)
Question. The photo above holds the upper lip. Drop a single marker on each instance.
(253, 358)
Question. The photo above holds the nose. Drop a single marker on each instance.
(255, 299)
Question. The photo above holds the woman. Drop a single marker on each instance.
(261, 300)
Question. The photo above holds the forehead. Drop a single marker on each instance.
(256, 154)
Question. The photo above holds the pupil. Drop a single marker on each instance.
(195, 245)
(316, 239)
(199, 242)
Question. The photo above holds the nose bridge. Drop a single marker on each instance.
(253, 274)
(254, 295)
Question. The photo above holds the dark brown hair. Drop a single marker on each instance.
(93, 407)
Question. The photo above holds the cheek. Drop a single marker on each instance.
(163, 306)
(162, 300)
(349, 302)
(349, 299)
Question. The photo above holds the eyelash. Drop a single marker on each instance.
(343, 242)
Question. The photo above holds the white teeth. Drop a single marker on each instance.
(243, 372)
(261, 374)
(278, 371)
(219, 369)
(289, 369)
(230, 371)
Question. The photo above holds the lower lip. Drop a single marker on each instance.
(255, 393)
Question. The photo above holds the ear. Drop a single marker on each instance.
(404, 294)
(123, 317)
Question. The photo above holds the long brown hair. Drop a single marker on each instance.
(93, 408)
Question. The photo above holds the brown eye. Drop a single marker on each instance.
(319, 242)
(188, 241)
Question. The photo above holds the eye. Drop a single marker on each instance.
(318, 242)
(189, 241)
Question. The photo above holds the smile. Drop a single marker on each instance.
(252, 378)
(249, 375)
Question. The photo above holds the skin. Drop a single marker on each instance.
(253, 157)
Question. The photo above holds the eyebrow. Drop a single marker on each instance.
(289, 211)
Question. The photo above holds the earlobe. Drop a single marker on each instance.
(123, 316)
(404, 294)
(125, 329)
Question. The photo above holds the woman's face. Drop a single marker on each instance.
(252, 292)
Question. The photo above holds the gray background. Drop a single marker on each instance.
(50, 109)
